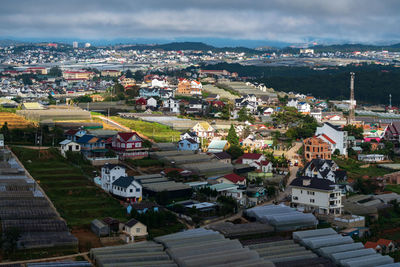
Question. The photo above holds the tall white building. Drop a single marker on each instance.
(109, 174)
(75, 44)
(316, 195)
(87, 45)
(333, 135)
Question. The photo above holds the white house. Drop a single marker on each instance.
(255, 160)
(110, 173)
(66, 145)
(371, 157)
(134, 229)
(333, 135)
(303, 107)
(317, 114)
(325, 169)
(159, 83)
(190, 135)
(126, 187)
(152, 102)
(171, 105)
(292, 103)
(232, 178)
(316, 195)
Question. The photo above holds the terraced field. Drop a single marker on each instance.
(14, 121)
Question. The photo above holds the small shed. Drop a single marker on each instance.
(99, 228)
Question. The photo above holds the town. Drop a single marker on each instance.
(162, 161)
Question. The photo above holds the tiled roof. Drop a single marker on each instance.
(127, 136)
(329, 139)
(251, 156)
(234, 178)
(314, 183)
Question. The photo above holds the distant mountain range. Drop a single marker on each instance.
(200, 46)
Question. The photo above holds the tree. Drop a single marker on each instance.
(83, 99)
(139, 75)
(232, 137)
(5, 131)
(353, 130)
(336, 152)
(55, 72)
(242, 114)
(235, 151)
(366, 147)
(129, 74)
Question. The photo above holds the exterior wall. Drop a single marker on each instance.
(339, 137)
(133, 191)
(1, 143)
(315, 148)
(138, 230)
(226, 181)
(186, 145)
(101, 161)
(318, 200)
(109, 176)
(74, 147)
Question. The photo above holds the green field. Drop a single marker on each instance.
(76, 197)
(355, 171)
(155, 131)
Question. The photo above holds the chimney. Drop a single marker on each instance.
(306, 182)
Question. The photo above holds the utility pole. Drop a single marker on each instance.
(390, 101)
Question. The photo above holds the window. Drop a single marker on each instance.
(312, 200)
(137, 230)
(295, 198)
(137, 189)
(130, 190)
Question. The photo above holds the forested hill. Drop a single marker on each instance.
(355, 47)
(198, 46)
(373, 83)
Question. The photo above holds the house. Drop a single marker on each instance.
(392, 178)
(195, 106)
(371, 157)
(134, 229)
(382, 246)
(171, 105)
(149, 92)
(203, 130)
(97, 98)
(151, 102)
(92, 146)
(303, 107)
(316, 195)
(110, 73)
(129, 145)
(325, 169)
(141, 103)
(126, 187)
(218, 146)
(256, 195)
(223, 157)
(68, 145)
(189, 87)
(292, 103)
(316, 148)
(392, 131)
(335, 136)
(188, 144)
(75, 134)
(110, 173)
(253, 159)
(237, 194)
(316, 114)
(190, 135)
(232, 178)
(1, 141)
(266, 166)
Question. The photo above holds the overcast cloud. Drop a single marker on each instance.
(279, 20)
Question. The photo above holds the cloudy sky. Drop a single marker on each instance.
(291, 21)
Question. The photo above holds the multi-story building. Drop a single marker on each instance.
(189, 87)
(203, 130)
(110, 73)
(334, 136)
(129, 145)
(109, 174)
(316, 148)
(316, 195)
(78, 75)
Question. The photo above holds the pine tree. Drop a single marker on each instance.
(232, 138)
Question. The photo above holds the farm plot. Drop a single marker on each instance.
(14, 121)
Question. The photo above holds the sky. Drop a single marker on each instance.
(248, 21)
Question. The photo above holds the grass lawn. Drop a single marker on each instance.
(355, 171)
(155, 131)
(76, 197)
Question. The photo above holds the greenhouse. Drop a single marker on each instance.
(55, 114)
(337, 257)
(282, 218)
